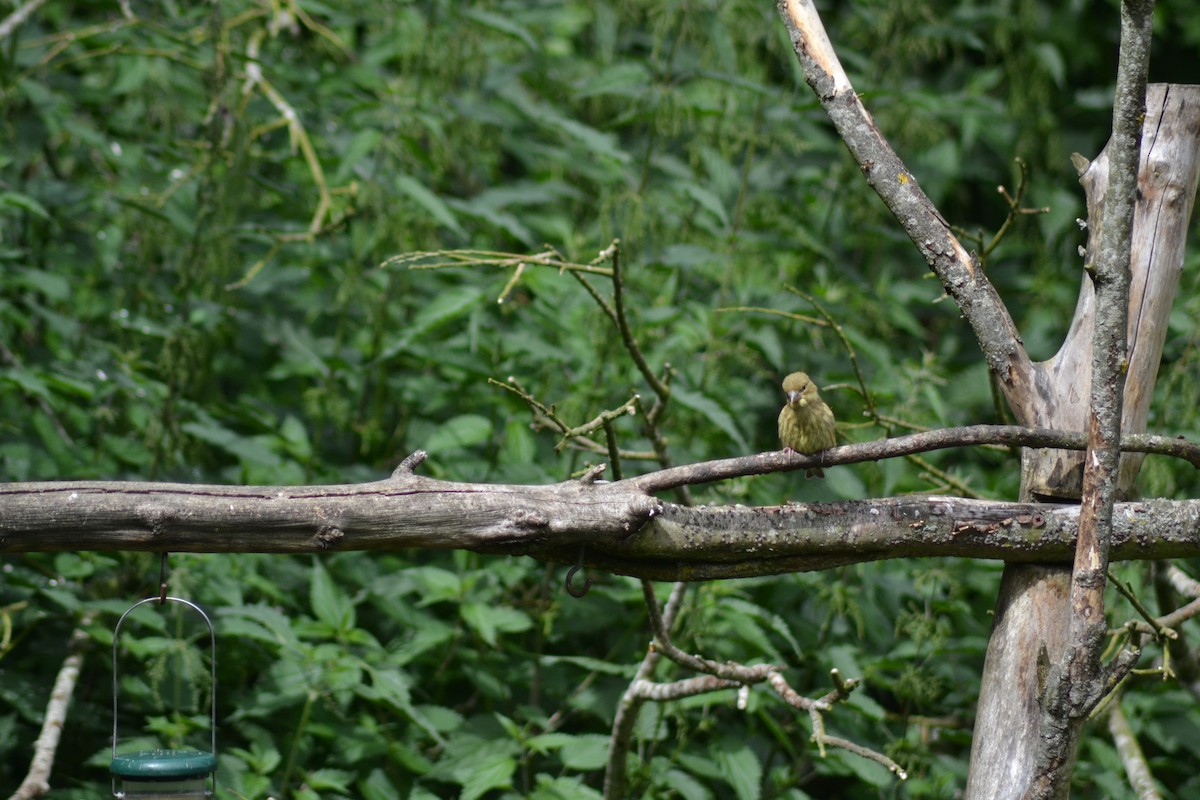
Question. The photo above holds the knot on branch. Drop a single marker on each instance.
(409, 465)
(329, 535)
(592, 474)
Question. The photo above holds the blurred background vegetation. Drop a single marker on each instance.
(195, 201)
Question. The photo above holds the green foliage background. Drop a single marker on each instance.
(190, 289)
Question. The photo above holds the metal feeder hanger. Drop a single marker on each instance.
(165, 774)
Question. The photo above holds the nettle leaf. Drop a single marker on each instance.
(627, 79)
(443, 309)
(741, 769)
(503, 24)
(460, 433)
(714, 412)
(490, 772)
(489, 620)
(429, 201)
(585, 752)
(249, 449)
(685, 785)
(329, 603)
(24, 203)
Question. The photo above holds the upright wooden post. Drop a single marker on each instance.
(1031, 610)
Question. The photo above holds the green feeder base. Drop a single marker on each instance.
(164, 774)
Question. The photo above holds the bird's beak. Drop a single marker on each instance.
(793, 398)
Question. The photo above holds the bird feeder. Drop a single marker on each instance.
(165, 774)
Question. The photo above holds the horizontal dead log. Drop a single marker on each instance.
(404, 511)
(708, 543)
(619, 526)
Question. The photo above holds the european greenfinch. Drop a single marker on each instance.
(805, 423)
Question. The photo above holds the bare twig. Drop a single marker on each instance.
(777, 461)
(37, 781)
(1126, 743)
(1150, 625)
(1183, 583)
(725, 675)
(615, 778)
(602, 421)
(957, 269)
(18, 16)
(442, 259)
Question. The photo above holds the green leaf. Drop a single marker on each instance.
(622, 80)
(741, 769)
(23, 202)
(26, 381)
(688, 787)
(489, 621)
(460, 433)
(364, 143)
(329, 780)
(430, 202)
(329, 603)
(585, 752)
(443, 309)
(491, 772)
(601, 666)
(378, 786)
(251, 449)
(715, 414)
(503, 24)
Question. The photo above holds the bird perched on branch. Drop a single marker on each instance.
(805, 423)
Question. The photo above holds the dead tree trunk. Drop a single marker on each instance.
(1031, 612)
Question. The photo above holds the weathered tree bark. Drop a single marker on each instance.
(1170, 161)
(1055, 393)
(1031, 616)
(625, 530)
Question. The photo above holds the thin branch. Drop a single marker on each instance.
(779, 461)
(1154, 626)
(443, 259)
(602, 421)
(37, 781)
(957, 269)
(1014, 210)
(1183, 583)
(1134, 760)
(727, 674)
(18, 16)
(615, 778)
(660, 387)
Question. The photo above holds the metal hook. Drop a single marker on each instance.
(162, 580)
(569, 583)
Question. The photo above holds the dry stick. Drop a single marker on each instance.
(957, 270)
(1182, 582)
(1169, 579)
(1079, 680)
(615, 778)
(37, 781)
(18, 16)
(731, 674)
(1126, 743)
(1013, 435)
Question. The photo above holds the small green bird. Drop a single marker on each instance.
(805, 423)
